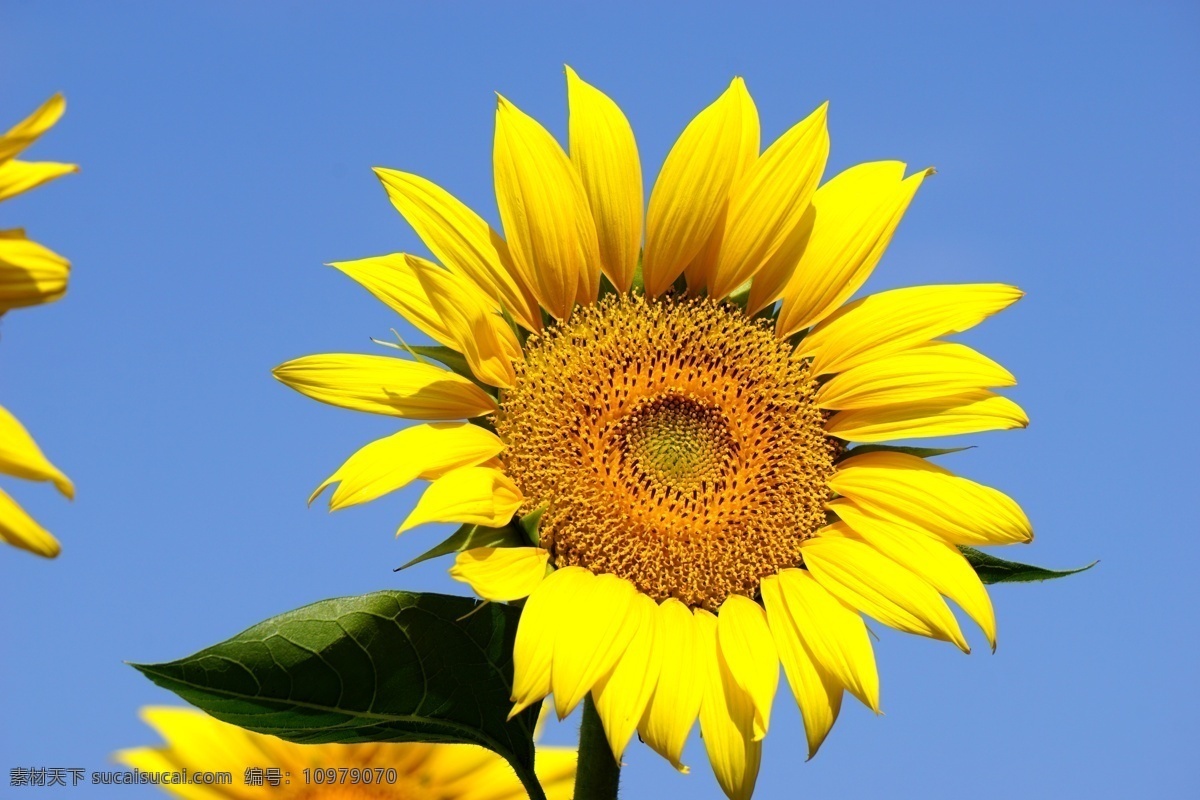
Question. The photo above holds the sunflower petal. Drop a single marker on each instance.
(604, 152)
(17, 177)
(624, 693)
(385, 385)
(544, 616)
(854, 217)
(969, 412)
(468, 495)
(463, 241)
(693, 187)
(727, 716)
(888, 322)
(676, 700)
(421, 451)
(27, 131)
(768, 204)
(392, 281)
(30, 274)
(818, 692)
(22, 458)
(749, 650)
(591, 645)
(931, 557)
(501, 574)
(21, 530)
(545, 212)
(874, 584)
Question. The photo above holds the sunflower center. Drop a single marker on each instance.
(675, 443)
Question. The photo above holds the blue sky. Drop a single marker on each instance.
(226, 152)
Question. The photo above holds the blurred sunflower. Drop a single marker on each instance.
(30, 274)
(679, 414)
(200, 743)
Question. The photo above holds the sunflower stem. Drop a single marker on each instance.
(598, 773)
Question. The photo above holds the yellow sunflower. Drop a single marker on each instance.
(30, 274)
(679, 413)
(406, 771)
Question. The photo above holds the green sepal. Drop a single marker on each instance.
(383, 667)
(919, 452)
(639, 280)
(530, 525)
(996, 570)
(453, 359)
(468, 537)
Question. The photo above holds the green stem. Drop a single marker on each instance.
(598, 773)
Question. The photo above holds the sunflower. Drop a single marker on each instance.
(30, 274)
(405, 771)
(678, 416)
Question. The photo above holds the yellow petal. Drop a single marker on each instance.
(21, 530)
(676, 700)
(468, 495)
(874, 584)
(834, 634)
(460, 239)
(605, 619)
(693, 187)
(888, 322)
(25, 132)
(925, 371)
(548, 611)
(30, 274)
(768, 204)
(22, 458)
(385, 385)
(424, 451)
(545, 212)
(393, 282)
(21, 176)
(970, 412)
(624, 693)
(748, 649)
(481, 335)
(501, 574)
(854, 217)
(727, 716)
(929, 556)
(818, 692)
(922, 495)
(605, 154)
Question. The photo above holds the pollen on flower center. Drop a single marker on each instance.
(675, 443)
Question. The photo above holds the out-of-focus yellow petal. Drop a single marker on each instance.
(501, 574)
(888, 322)
(864, 578)
(818, 692)
(768, 204)
(555, 769)
(22, 458)
(933, 369)
(927, 555)
(390, 279)
(21, 530)
(30, 274)
(912, 491)
(21, 176)
(854, 217)
(424, 451)
(605, 621)
(385, 385)
(468, 495)
(463, 241)
(604, 152)
(834, 634)
(969, 412)
(727, 716)
(622, 695)
(481, 335)
(546, 214)
(26, 132)
(692, 190)
(748, 649)
(676, 700)
(549, 610)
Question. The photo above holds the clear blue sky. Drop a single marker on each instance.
(226, 152)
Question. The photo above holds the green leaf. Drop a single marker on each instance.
(996, 570)
(384, 667)
(919, 452)
(471, 536)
